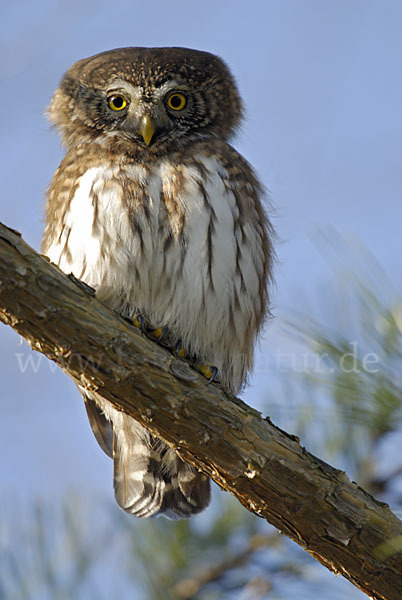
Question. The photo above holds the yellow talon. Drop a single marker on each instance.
(207, 371)
(182, 352)
(158, 332)
(137, 321)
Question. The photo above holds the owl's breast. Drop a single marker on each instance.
(173, 241)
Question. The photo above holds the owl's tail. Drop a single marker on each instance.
(150, 479)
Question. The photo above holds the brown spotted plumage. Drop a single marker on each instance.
(153, 208)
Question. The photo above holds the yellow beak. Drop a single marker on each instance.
(147, 129)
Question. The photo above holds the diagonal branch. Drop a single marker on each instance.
(317, 506)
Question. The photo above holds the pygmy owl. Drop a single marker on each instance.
(154, 209)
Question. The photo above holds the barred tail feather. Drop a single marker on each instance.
(150, 479)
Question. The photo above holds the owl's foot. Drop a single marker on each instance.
(180, 351)
(139, 322)
(208, 371)
(156, 334)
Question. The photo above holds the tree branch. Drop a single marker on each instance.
(317, 506)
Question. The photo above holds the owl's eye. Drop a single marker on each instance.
(177, 101)
(117, 102)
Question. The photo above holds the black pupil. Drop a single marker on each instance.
(117, 101)
(175, 101)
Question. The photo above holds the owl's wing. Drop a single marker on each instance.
(149, 477)
(101, 427)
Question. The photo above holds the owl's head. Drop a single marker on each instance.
(147, 97)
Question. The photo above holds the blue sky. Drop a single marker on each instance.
(323, 95)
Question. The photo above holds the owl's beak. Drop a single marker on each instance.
(147, 129)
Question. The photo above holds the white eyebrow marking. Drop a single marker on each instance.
(136, 92)
(119, 85)
(172, 84)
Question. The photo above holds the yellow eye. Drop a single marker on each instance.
(117, 102)
(177, 101)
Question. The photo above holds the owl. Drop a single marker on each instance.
(153, 208)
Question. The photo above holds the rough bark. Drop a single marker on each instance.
(271, 474)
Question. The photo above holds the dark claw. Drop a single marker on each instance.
(139, 321)
(159, 333)
(208, 371)
(213, 376)
(179, 351)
